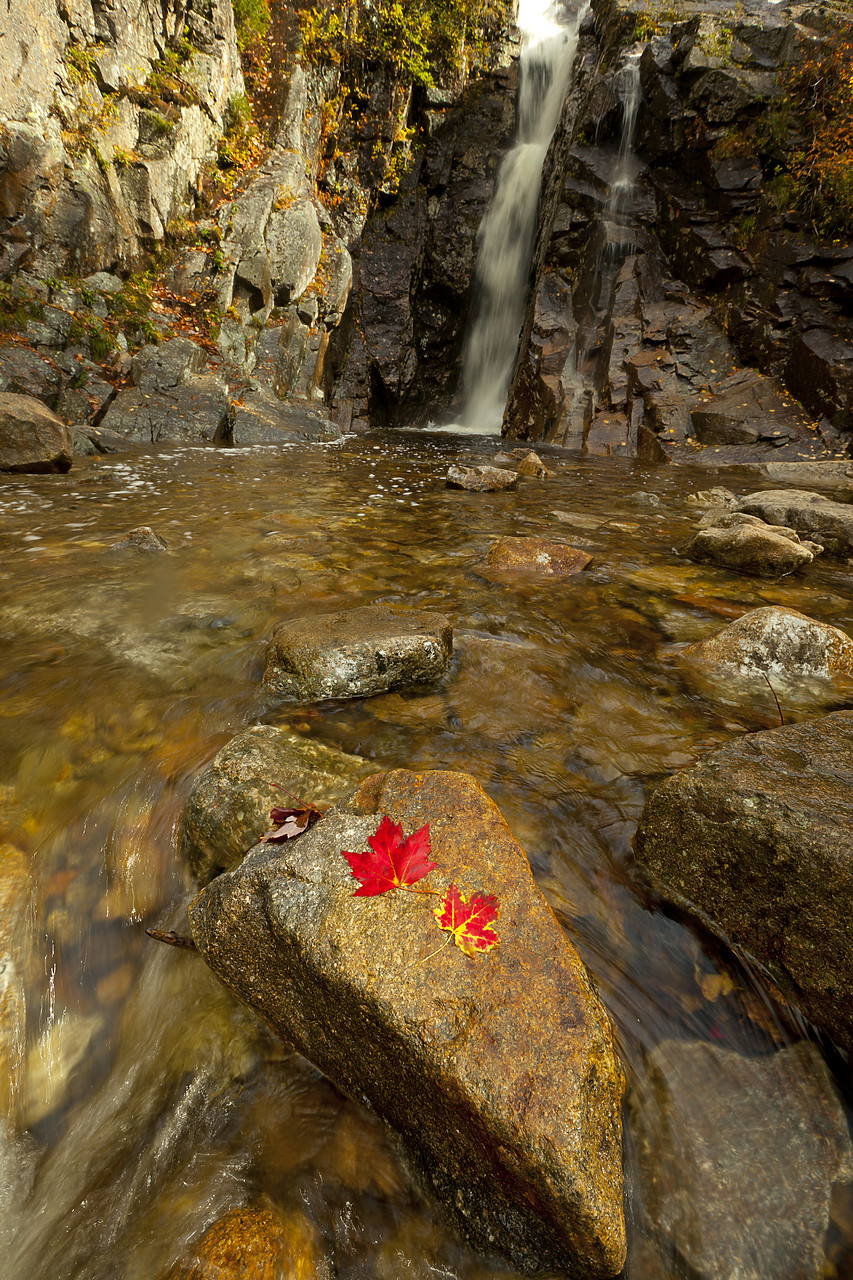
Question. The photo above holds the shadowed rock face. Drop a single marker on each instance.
(758, 837)
(497, 1073)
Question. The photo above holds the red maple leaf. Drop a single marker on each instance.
(468, 923)
(392, 862)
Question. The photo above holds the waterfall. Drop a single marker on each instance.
(507, 233)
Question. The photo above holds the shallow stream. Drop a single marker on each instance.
(146, 1100)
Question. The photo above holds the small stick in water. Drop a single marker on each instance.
(172, 939)
(775, 699)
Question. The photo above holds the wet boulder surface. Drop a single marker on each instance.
(32, 438)
(497, 1073)
(722, 1198)
(357, 652)
(756, 838)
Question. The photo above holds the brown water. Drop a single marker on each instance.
(145, 1101)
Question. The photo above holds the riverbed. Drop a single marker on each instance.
(147, 1101)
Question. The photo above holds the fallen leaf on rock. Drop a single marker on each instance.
(392, 862)
(469, 923)
(290, 823)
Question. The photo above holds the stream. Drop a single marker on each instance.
(145, 1100)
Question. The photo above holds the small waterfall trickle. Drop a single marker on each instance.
(507, 233)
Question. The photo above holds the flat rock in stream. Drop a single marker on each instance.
(481, 479)
(535, 556)
(738, 1158)
(32, 439)
(809, 513)
(758, 837)
(497, 1073)
(228, 808)
(357, 652)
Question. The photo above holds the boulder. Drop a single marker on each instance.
(258, 417)
(532, 465)
(228, 808)
(716, 497)
(160, 368)
(143, 540)
(752, 549)
(807, 512)
(758, 837)
(481, 479)
(776, 641)
(497, 1072)
(193, 412)
(535, 556)
(718, 1139)
(294, 243)
(745, 408)
(357, 652)
(257, 1242)
(31, 437)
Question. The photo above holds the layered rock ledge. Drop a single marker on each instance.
(497, 1073)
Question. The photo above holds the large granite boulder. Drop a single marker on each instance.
(357, 652)
(738, 1157)
(498, 1073)
(751, 548)
(758, 838)
(31, 437)
(810, 513)
(191, 412)
(775, 641)
(228, 808)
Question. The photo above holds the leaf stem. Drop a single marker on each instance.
(411, 889)
(417, 963)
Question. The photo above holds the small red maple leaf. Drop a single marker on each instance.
(468, 923)
(392, 862)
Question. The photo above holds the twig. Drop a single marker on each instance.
(172, 939)
(775, 699)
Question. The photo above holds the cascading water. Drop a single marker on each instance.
(506, 236)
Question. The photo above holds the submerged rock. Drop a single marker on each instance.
(255, 1243)
(229, 806)
(739, 1156)
(757, 549)
(357, 652)
(807, 512)
(498, 1073)
(758, 836)
(481, 479)
(535, 556)
(776, 641)
(142, 540)
(31, 437)
(15, 957)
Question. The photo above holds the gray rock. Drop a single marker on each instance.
(192, 413)
(516, 1125)
(336, 279)
(757, 837)
(25, 373)
(294, 243)
(229, 806)
(104, 282)
(357, 652)
(807, 512)
(481, 479)
(81, 444)
(258, 417)
(777, 642)
(642, 498)
(161, 368)
(716, 497)
(143, 540)
(31, 437)
(745, 408)
(750, 549)
(738, 1157)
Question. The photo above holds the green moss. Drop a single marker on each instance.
(252, 19)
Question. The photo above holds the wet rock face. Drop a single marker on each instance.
(31, 437)
(357, 652)
(758, 838)
(535, 556)
(756, 549)
(717, 1136)
(229, 806)
(497, 1073)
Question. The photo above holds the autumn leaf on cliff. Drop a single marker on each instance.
(391, 862)
(289, 823)
(469, 923)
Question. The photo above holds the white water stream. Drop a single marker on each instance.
(507, 233)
